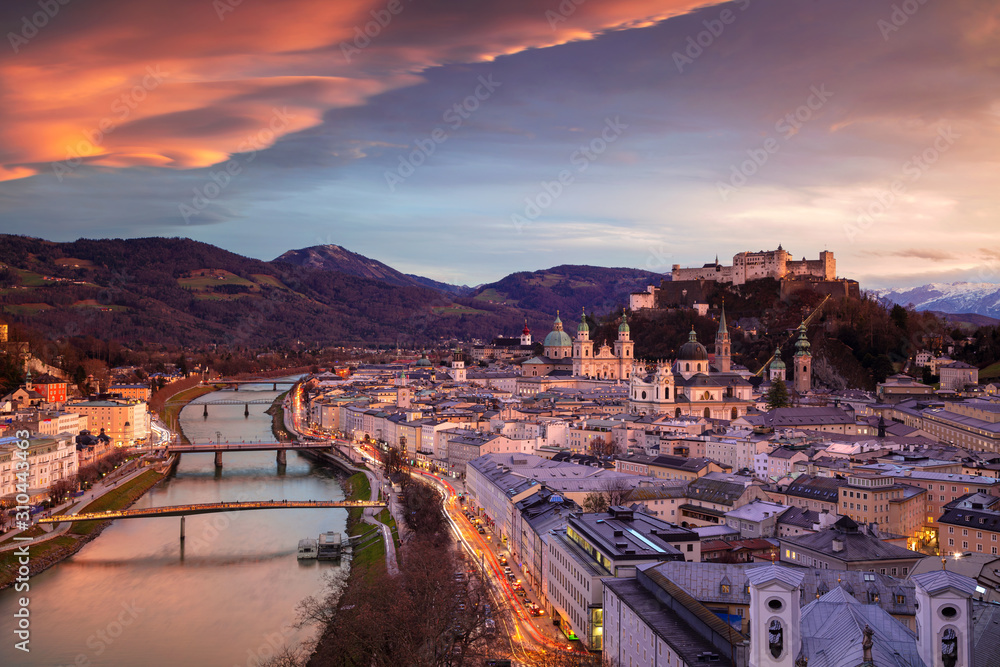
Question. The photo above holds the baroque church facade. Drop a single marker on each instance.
(691, 385)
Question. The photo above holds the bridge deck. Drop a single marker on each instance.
(245, 446)
(209, 508)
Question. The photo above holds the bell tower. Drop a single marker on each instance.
(583, 349)
(944, 618)
(526, 334)
(723, 360)
(624, 348)
(775, 633)
(458, 366)
(777, 367)
(803, 362)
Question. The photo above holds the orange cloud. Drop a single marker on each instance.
(185, 84)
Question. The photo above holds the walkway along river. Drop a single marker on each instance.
(134, 597)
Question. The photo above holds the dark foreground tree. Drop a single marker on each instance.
(434, 612)
(777, 395)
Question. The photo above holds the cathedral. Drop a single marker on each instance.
(578, 357)
(692, 385)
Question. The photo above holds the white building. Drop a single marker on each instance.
(49, 459)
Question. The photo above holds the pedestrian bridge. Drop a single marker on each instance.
(209, 508)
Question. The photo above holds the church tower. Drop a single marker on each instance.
(526, 334)
(723, 360)
(624, 348)
(944, 618)
(582, 348)
(803, 362)
(777, 368)
(776, 632)
(458, 366)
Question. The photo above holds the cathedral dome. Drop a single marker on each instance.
(557, 337)
(423, 361)
(692, 350)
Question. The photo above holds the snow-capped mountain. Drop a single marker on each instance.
(979, 298)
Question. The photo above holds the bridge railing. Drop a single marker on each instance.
(211, 507)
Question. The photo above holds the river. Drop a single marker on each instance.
(134, 597)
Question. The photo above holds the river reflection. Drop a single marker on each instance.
(134, 597)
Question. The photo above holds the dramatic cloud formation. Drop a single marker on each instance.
(466, 140)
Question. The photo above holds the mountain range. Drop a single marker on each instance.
(959, 298)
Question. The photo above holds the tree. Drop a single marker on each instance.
(777, 395)
(613, 491)
(603, 448)
(431, 613)
(595, 502)
(394, 462)
(61, 489)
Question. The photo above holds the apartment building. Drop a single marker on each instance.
(971, 523)
(599, 545)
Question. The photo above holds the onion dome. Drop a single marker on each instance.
(777, 364)
(623, 327)
(802, 344)
(584, 327)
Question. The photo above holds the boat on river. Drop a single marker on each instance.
(307, 549)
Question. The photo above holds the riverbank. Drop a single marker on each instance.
(47, 553)
(277, 412)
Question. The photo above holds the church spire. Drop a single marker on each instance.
(722, 320)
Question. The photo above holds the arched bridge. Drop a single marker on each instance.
(235, 384)
(217, 448)
(209, 508)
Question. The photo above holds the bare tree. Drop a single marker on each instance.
(604, 448)
(432, 613)
(61, 489)
(394, 462)
(618, 490)
(595, 502)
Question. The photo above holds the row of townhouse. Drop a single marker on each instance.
(48, 459)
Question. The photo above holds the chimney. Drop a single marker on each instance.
(838, 545)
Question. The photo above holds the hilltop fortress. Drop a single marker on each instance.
(686, 286)
(747, 266)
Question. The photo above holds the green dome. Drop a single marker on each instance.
(583, 323)
(777, 364)
(423, 361)
(623, 327)
(557, 337)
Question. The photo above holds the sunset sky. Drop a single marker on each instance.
(466, 140)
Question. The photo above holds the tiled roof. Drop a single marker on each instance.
(832, 633)
(856, 546)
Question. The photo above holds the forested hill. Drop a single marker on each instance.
(568, 288)
(179, 291)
